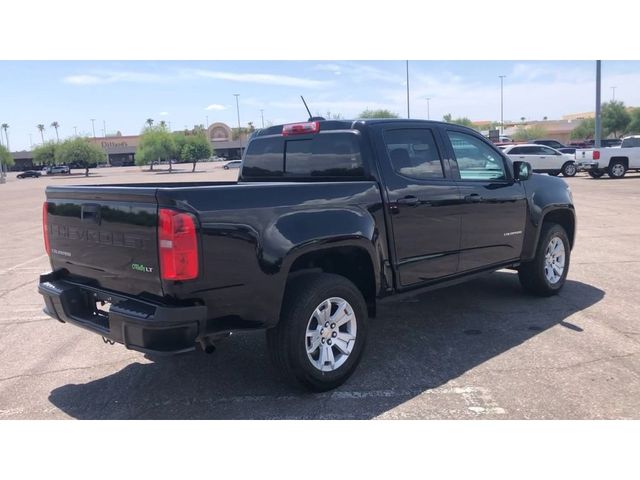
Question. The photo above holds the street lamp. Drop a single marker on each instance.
(262, 116)
(428, 113)
(502, 77)
(237, 110)
(93, 127)
(613, 98)
(407, 65)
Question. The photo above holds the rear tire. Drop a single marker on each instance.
(554, 174)
(545, 275)
(617, 169)
(595, 173)
(569, 169)
(322, 331)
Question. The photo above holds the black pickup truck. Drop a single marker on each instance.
(327, 218)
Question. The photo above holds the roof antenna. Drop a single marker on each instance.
(311, 117)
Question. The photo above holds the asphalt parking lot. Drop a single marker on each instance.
(482, 349)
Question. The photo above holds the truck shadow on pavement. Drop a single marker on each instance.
(414, 346)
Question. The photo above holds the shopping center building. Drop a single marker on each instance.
(121, 149)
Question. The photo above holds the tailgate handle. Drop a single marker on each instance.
(90, 213)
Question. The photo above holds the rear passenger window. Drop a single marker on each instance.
(264, 158)
(324, 155)
(413, 153)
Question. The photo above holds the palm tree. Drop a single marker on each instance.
(56, 125)
(149, 122)
(40, 127)
(5, 127)
(162, 124)
(522, 119)
(544, 118)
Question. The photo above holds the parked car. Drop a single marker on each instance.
(614, 161)
(304, 248)
(568, 151)
(233, 164)
(29, 174)
(56, 169)
(543, 159)
(604, 143)
(549, 143)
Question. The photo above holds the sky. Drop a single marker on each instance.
(122, 95)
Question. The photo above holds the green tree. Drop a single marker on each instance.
(195, 147)
(464, 121)
(523, 134)
(615, 118)
(56, 125)
(6, 160)
(156, 144)
(40, 127)
(79, 151)
(585, 130)
(380, 113)
(5, 127)
(634, 125)
(149, 122)
(45, 154)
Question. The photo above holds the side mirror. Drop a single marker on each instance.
(521, 170)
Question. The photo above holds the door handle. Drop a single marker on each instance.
(473, 198)
(409, 200)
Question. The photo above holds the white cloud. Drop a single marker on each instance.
(99, 78)
(263, 78)
(107, 77)
(163, 113)
(216, 107)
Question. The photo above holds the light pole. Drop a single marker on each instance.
(237, 110)
(613, 97)
(3, 174)
(598, 124)
(262, 116)
(502, 77)
(93, 127)
(428, 113)
(207, 127)
(104, 127)
(75, 130)
(407, 65)
(30, 141)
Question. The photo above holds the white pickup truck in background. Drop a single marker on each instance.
(614, 161)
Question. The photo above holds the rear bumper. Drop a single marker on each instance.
(587, 165)
(137, 324)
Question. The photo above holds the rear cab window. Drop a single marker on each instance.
(330, 154)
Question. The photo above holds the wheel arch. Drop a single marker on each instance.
(352, 261)
(624, 160)
(563, 216)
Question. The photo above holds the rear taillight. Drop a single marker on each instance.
(596, 155)
(177, 245)
(45, 227)
(300, 128)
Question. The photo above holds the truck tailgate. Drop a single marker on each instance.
(106, 234)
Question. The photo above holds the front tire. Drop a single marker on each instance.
(322, 331)
(617, 169)
(569, 169)
(545, 275)
(595, 173)
(554, 174)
